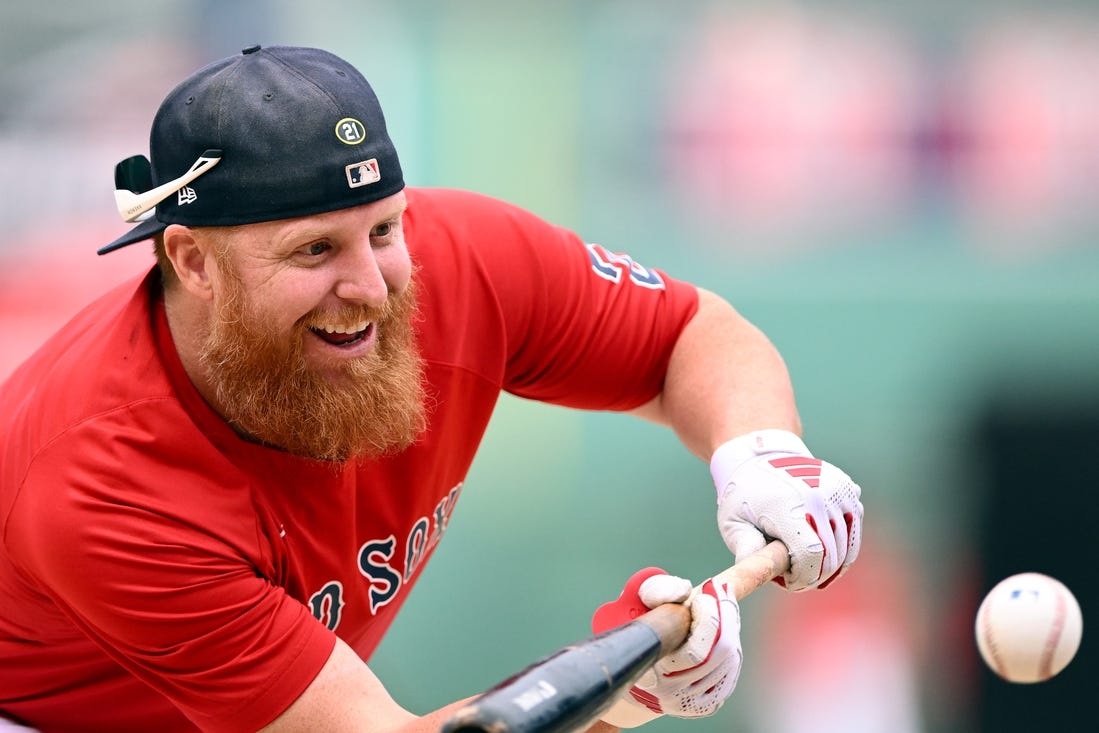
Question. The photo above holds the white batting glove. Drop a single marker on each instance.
(695, 679)
(769, 486)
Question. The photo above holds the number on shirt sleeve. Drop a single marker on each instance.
(612, 265)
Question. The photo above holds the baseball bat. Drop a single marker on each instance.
(569, 689)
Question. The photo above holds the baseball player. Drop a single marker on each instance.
(219, 481)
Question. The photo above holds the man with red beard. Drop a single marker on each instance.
(217, 488)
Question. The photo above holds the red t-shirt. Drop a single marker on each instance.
(159, 573)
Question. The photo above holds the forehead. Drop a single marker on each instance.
(352, 221)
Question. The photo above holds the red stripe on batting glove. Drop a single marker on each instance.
(802, 467)
(795, 461)
(647, 699)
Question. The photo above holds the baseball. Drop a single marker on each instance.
(1028, 627)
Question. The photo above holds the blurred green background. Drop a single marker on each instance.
(902, 195)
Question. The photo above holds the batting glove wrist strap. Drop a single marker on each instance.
(732, 454)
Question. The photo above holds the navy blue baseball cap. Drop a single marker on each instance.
(271, 133)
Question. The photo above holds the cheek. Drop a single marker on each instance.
(396, 267)
(276, 310)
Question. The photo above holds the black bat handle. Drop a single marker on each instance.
(566, 690)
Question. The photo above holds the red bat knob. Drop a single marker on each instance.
(627, 606)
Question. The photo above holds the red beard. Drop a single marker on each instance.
(267, 391)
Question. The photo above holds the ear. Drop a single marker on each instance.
(191, 257)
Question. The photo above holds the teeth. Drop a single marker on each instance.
(361, 326)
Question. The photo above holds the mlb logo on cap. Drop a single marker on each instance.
(362, 173)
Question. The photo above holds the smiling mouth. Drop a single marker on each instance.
(343, 335)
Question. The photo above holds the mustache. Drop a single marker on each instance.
(348, 314)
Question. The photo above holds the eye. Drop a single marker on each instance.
(385, 232)
(315, 249)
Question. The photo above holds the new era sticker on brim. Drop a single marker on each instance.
(363, 173)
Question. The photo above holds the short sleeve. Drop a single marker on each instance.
(585, 325)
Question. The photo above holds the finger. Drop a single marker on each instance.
(839, 525)
(853, 520)
(711, 691)
(704, 635)
(704, 696)
(664, 589)
(806, 558)
(743, 538)
(831, 557)
(845, 497)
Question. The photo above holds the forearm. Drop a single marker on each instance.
(725, 379)
(347, 696)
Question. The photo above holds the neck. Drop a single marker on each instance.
(188, 322)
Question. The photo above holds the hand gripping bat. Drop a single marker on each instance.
(568, 690)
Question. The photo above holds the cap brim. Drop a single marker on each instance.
(145, 230)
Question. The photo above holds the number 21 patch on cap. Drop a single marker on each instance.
(350, 131)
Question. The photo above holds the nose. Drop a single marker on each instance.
(360, 276)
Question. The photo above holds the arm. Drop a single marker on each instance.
(725, 379)
(346, 697)
(727, 395)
